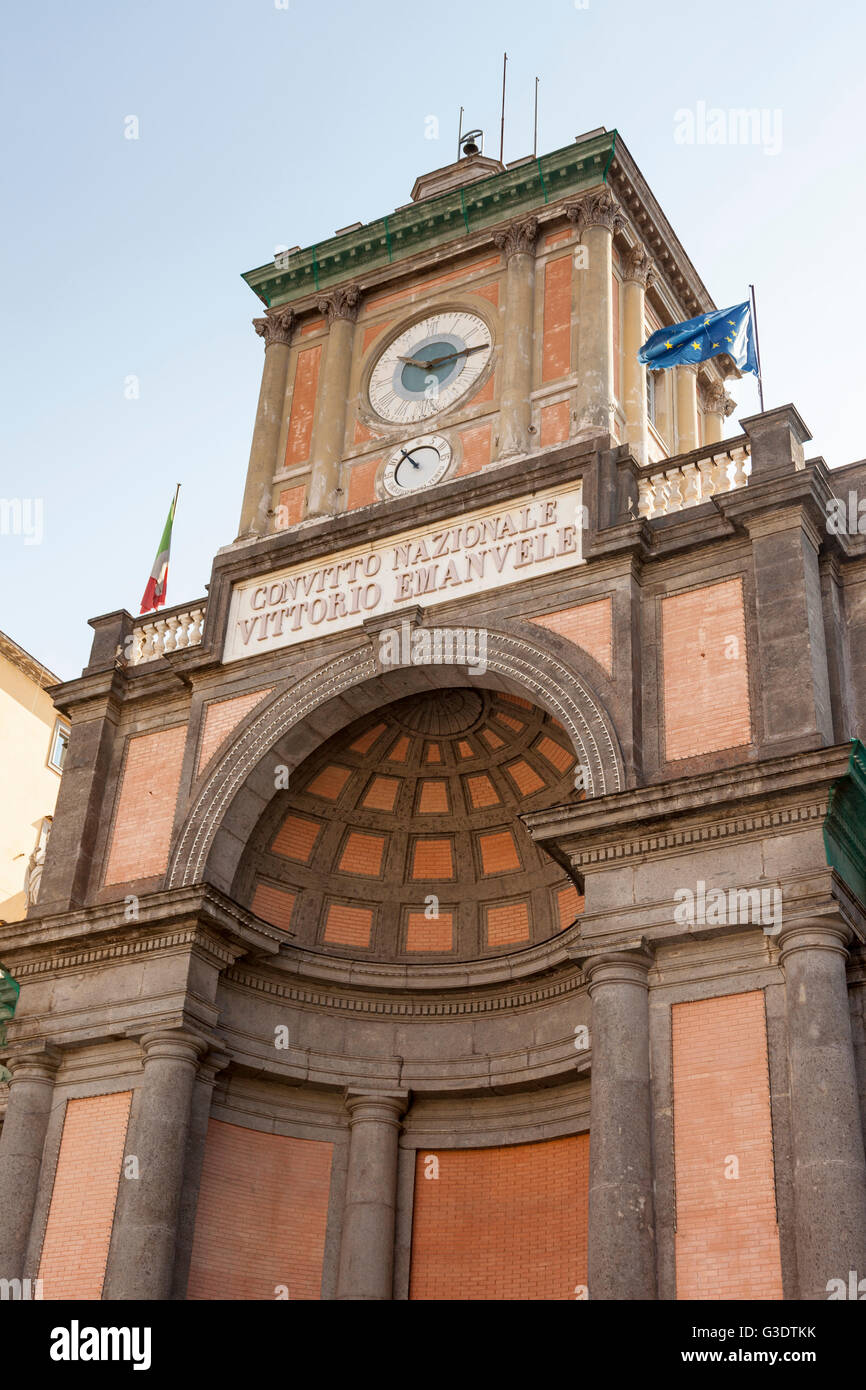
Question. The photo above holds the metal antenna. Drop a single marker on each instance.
(535, 124)
(502, 122)
(460, 134)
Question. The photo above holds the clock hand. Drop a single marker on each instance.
(413, 362)
(437, 361)
(413, 462)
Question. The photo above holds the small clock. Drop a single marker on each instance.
(429, 366)
(417, 465)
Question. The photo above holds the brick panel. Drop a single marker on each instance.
(291, 506)
(589, 627)
(555, 420)
(382, 793)
(507, 924)
(727, 1238)
(273, 905)
(476, 449)
(485, 393)
(295, 838)
(570, 904)
(303, 405)
(141, 836)
(433, 753)
(424, 285)
(81, 1215)
(348, 926)
(432, 859)
(498, 852)
(329, 783)
(481, 791)
(400, 751)
(554, 753)
(372, 331)
(433, 799)
(706, 679)
(362, 854)
(556, 352)
(362, 484)
(524, 777)
(365, 741)
(429, 933)
(262, 1216)
(221, 716)
(502, 1223)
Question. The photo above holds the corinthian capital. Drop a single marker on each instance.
(275, 327)
(595, 210)
(519, 237)
(715, 396)
(636, 265)
(341, 304)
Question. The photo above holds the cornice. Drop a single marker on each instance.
(27, 664)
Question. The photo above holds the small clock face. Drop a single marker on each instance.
(417, 465)
(429, 366)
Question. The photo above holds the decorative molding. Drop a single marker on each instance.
(518, 239)
(715, 397)
(341, 304)
(637, 266)
(276, 327)
(595, 210)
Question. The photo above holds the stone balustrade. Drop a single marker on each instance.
(673, 489)
(172, 632)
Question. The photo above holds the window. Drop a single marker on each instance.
(651, 397)
(59, 744)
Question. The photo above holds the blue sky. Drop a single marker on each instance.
(262, 126)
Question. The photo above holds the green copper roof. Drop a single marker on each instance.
(435, 221)
(845, 823)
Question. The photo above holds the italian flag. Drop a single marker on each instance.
(154, 594)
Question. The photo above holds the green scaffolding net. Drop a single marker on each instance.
(9, 991)
(845, 823)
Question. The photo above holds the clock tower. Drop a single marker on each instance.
(446, 904)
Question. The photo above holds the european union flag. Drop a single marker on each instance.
(708, 335)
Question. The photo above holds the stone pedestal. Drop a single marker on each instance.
(517, 243)
(340, 309)
(31, 1092)
(142, 1257)
(829, 1162)
(367, 1247)
(622, 1262)
(276, 330)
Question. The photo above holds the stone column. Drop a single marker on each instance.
(829, 1162)
(636, 273)
(714, 416)
(622, 1262)
(367, 1248)
(31, 1093)
(276, 329)
(341, 309)
(686, 377)
(141, 1263)
(517, 243)
(596, 218)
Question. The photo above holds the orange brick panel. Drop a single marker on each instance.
(501, 1223)
(364, 742)
(432, 859)
(554, 423)
(556, 352)
(372, 331)
(490, 292)
(589, 627)
(141, 836)
(569, 904)
(557, 238)
(425, 285)
(295, 838)
(481, 791)
(382, 793)
(291, 506)
(507, 924)
(303, 405)
(221, 717)
(329, 783)
(727, 1240)
(362, 484)
(706, 678)
(559, 757)
(348, 926)
(81, 1215)
(433, 799)
(476, 449)
(485, 393)
(433, 753)
(524, 777)
(498, 852)
(273, 905)
(262, 1216)
(400, 751)
(429, 933)
(362, 854)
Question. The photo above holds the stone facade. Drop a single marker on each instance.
(375, 971)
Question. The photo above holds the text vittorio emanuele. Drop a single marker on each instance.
(462, 556)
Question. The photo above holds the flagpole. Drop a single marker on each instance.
(177, 490)
(757, 348)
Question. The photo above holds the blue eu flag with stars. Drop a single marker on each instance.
(708, 335)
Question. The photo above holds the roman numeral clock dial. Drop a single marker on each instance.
(429, 367)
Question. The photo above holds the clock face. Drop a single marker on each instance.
(417, 465)
(429, 366)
